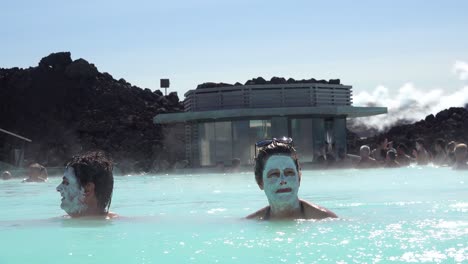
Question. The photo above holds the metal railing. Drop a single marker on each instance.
(267, 96)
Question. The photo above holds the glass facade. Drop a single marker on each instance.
(215, 143)
(224, 141)
(207, 147)
(258, 130)
(330, 136)
(240, 140)
(301, 132)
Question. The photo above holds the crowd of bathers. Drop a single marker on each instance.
(389, 154)
(35, 173)
(87, 183)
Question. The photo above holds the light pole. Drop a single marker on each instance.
(165, 85)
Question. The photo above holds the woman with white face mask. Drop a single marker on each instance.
(87, 186)
(278, 174)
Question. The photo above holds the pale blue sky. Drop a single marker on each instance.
(364, 43)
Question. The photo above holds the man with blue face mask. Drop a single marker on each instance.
(87, 186)
(277, 173)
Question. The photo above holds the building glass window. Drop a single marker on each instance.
(207, 143)
(241, 141)
(330, 136)
(223, 142)
(258, 130)
(301, 132)
(215, 143)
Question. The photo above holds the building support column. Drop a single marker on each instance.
(339, 126)
(318, 134)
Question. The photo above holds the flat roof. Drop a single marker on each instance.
(256, 113)
(269, 86)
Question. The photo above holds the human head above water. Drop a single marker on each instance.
(277, 172)
(419, 144)
(439, 145)
(93, 169)
(391, 154)
(451, 146)
(6, 175)
(34, 170)
(460, 152)
(382, 142)
(364, 151)
(401, 149)
(275, 148)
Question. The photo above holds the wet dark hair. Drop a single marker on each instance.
(38, 168)
(391, 154)
(420, 141)
(402, 147)
(95, 167)
(274, 148)
(440, 142)
(341, 153)
(451, 145)
(381, 139)
(236, 162)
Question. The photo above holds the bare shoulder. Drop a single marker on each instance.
(112, 215)
(313, 211)
(259, 214)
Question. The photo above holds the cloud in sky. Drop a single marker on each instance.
(461, 69)
(410, 103)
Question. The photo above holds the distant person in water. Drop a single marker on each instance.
(440, 155)
(402, 158)
(420, 153)
(344, 161)
(366, 161)
(380, 153)
(278, 174)
(236, 165)
(87, 186)
(220, 167)
(451, 152)
(325, 156)
(36, 173)
(6, 175)
(460, 157)
(391, 159)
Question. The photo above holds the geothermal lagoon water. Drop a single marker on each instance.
(386, 215)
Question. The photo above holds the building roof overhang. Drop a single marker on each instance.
(257, 113)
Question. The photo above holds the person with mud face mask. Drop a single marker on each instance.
(278, 174)
(87, 186)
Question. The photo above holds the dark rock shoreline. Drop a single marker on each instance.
(67, 107)
(450, 124)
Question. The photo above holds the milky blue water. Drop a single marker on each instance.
(386, 215)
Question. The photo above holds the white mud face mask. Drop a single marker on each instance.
(73, 194)
(281, 181)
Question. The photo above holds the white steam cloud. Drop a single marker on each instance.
(410, 103)
(461, 69)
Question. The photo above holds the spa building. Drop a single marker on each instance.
(223, 122)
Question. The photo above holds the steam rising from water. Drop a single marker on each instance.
(410, 103)
(461, 69)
